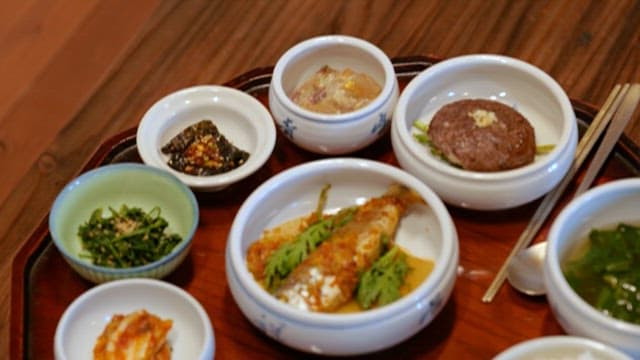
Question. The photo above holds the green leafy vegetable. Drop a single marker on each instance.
(381, 284)
(423, 138)
(422, 126)
(544, 149)
(129, 237)
(608, 275)
(291, 254)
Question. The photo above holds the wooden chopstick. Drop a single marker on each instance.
(585, 145)
(611, 137)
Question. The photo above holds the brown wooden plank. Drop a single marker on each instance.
(28, 45)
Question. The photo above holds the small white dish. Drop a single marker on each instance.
(241, 118)
(561, 348)
(532, 92)
(191, 336)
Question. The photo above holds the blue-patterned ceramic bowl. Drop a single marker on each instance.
(332, 134)
(134, 185)
(426, 231)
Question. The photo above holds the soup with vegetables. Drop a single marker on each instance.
(605, 271)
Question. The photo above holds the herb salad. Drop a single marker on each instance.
(130, 237)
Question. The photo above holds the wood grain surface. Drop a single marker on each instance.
(73, 73)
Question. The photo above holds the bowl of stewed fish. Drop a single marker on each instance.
(320, 259)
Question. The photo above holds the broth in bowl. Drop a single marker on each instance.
(332, 91)
(605, 271)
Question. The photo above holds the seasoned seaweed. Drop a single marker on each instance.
(202, 150)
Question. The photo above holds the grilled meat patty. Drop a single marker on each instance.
(483, 135)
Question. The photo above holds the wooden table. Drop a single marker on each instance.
(75, 73)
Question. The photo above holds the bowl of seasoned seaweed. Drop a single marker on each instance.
(208, 136)
(592, 266)
(124, 220)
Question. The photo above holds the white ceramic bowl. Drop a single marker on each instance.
(241, 118)
(601, 207)
(134, 185)
(326, 133)
(513, 82)
(191, 335)
(561, 347)
(428, 232)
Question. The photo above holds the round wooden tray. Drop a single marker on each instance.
(43, 285)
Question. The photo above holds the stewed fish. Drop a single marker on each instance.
(320, 262)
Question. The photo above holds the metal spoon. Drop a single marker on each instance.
(524, 271)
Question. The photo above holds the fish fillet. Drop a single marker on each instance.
(328, 277)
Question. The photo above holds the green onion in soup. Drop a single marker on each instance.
(605, 272)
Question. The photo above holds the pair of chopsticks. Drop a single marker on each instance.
(621, 102)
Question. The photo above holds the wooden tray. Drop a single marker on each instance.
(43, 285)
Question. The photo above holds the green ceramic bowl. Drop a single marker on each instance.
(134, 185)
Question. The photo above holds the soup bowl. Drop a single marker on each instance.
(426, 231)
(332, 134)
(603, 207)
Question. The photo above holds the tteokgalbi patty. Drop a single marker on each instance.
(482, 135)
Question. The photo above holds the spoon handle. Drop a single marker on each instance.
(585, 145)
